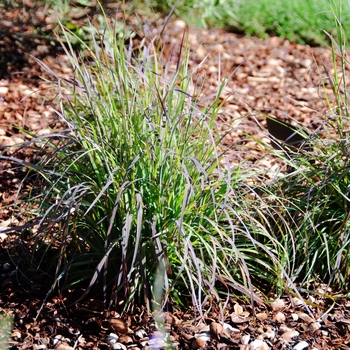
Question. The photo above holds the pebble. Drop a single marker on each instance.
(277, 305)
(6, 141)
(180, 24)
(302, 345)
(279, 317)
(297, 302)
(112, 338)
(295, 317)
(63, 347)
(3, 90)
(258, 345)
(39, 347)
(117, 346)
(262, 316)
(313, 327)
(245, 339)
(288, 336)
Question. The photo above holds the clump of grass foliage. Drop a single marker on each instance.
(134, 190)
(313, 198)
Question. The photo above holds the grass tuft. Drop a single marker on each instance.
(313, 222)
(133, 191)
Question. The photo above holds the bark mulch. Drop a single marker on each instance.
(277, 77)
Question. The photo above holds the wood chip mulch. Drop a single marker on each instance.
(275, 76)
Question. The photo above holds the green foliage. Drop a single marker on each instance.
(298, 21)
(135, 194)
(313, 203)
(134, 191)
(5, 330)
(314, 197)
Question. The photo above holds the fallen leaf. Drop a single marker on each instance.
(125, 339)
(198, 343)
(171, 319)
(238, 309)
(119, 325)
(216, 329)
(187, 337)
(235, 318)
(229, 328)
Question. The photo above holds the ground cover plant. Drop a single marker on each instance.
(134, 191)
(314, 194)
(297, 21)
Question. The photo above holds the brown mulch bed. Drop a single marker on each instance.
(277, 77)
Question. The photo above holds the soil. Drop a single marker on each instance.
(273, 76)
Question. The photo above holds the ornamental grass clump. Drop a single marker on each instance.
(134, 190)
(312, 198)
